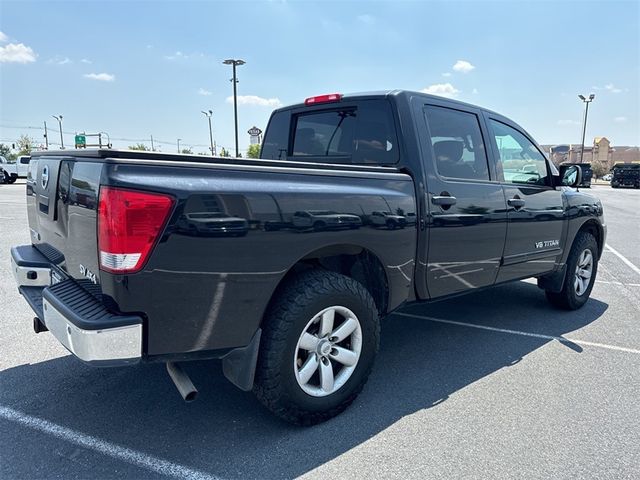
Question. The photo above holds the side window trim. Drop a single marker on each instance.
(483, 134)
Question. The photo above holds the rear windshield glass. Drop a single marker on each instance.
(362, 133)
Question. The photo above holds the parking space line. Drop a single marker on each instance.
(128, 455)
(524, 334)
(619, 283)
(625, 260)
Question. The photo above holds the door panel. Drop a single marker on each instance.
(467, 210)
(534, 232)
(535, 210)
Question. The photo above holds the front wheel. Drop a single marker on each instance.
(582, 267)
(319, 341)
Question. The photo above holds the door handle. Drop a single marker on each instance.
(443, 200)
(516, 202)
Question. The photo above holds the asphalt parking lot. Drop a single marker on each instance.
(497, 384)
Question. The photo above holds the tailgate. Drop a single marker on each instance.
(62, 202)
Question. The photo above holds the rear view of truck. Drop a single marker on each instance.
(139, 256)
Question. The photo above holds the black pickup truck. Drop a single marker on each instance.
(283, 266)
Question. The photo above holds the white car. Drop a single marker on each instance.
(13, 171)
(387, 219)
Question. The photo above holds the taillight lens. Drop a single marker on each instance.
(129, 223)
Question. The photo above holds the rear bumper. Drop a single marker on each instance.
(78, 320)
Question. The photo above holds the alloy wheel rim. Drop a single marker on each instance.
(584, 271)
(328, 351)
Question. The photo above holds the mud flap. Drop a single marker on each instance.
(239, 365)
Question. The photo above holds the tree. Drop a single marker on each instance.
(254, 151)
(187, 150)
(224, 152)
(139, 146)
(25, 144)
(5, 151)
(600, 169)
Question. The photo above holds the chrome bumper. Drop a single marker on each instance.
(76, 318)
(117, 344)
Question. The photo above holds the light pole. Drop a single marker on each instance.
(235, 63)
(59, 119)
(209, 114)
(46, 136)
(586, 101)
(179, 145)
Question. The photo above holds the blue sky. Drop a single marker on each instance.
(135, 69)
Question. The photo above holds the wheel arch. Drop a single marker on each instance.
(351, 260)
(593, 227)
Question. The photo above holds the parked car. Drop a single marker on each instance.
(626, 175)
(387, 220)
(607, 177)
(296, 318)
(212, 223)
(13, 171)
(325, 220)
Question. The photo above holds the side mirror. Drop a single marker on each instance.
(570, 176)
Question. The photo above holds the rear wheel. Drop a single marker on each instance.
(318, 345)
(582, 267)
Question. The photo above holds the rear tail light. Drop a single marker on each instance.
(129, 223)
(330, 98)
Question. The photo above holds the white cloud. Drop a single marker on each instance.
(255, 100)
(463, 66)
(620, 119)
(564, 123)
(366, 19)
(101, 77)
(58, 60)
(441, 89)
(475, 91)
(3, 38)
(17, 53)
(183, 56)
(610, 87)
(175, 56)
(84, 60)
(202, 91)
(446, 74)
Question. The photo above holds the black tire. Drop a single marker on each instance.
(567, 298)
(298, 302)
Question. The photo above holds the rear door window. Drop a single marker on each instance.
(458, 147)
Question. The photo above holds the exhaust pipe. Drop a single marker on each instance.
(182, 382)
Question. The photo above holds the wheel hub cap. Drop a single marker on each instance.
(583, 273)
(328, 351)
(324, 348)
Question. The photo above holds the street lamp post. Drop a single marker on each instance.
(586, 101)
(235, 63)
(59, 119)
(179, 145)
(209, 114)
